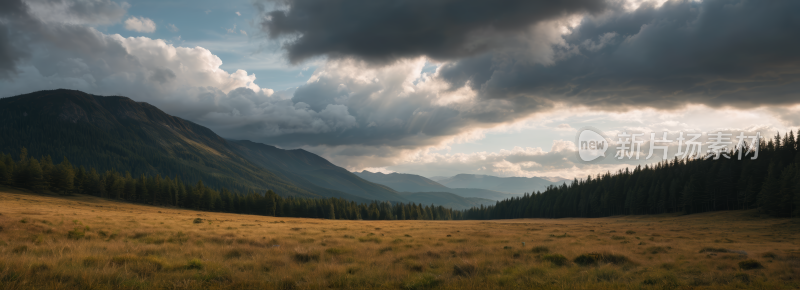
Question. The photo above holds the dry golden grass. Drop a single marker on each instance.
(84, 242)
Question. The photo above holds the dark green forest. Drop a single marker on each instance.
(771, 183)
(43, 175)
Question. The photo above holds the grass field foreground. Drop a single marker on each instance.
(83, 242)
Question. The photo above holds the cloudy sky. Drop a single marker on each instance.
(434, 88)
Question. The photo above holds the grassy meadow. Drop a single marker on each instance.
(82, 242)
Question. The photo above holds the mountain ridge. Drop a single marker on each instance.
(118, 133)
(404, 182)
(511, 185)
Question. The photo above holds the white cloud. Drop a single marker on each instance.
(243, 32)
(172, 27)
(238, 14)
(140, 24)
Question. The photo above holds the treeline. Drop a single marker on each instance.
(771, 182)
(41, 174)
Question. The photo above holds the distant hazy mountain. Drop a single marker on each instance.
(447, 199)
(402, 182)
(414, 183)
(513, 185)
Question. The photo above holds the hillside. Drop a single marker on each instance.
(414, 183)
(513, 185)
(302, 166)
(764, 178)
(118, 133)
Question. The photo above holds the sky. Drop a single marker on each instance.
(434, 88)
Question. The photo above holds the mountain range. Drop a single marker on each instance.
(117, 133)
(512, 185)
(404, 182)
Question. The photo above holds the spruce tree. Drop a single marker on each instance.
(5, 173)
(331, 214)
(768, 197)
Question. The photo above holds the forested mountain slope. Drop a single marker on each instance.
(771, 182)
(118, 133)
(303, 166)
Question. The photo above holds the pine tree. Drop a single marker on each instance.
(5, 173)
(62, 177)
(769, 196)
(35, 178)
(331, 214)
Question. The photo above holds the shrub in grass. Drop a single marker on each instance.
(608, 258)
(198, 221)
(555, 259)
(657, 250)
(194, 264)
(76, 234)
(38, 268)
(237, 253)
(414, 267)
(407, 235)
(306, 257)
(585, 260)
(714, 250)
(465, 270)
(20, 249)
(630, 232)
(540, 249)
(335, 251)
(651, 281)
(614, 259)
(617, 237)
(750, 265)
(91, 261)
(370, 239)
(384, 250)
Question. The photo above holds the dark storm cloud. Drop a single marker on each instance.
(381, 31)
(715, 52)
(10, 51)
